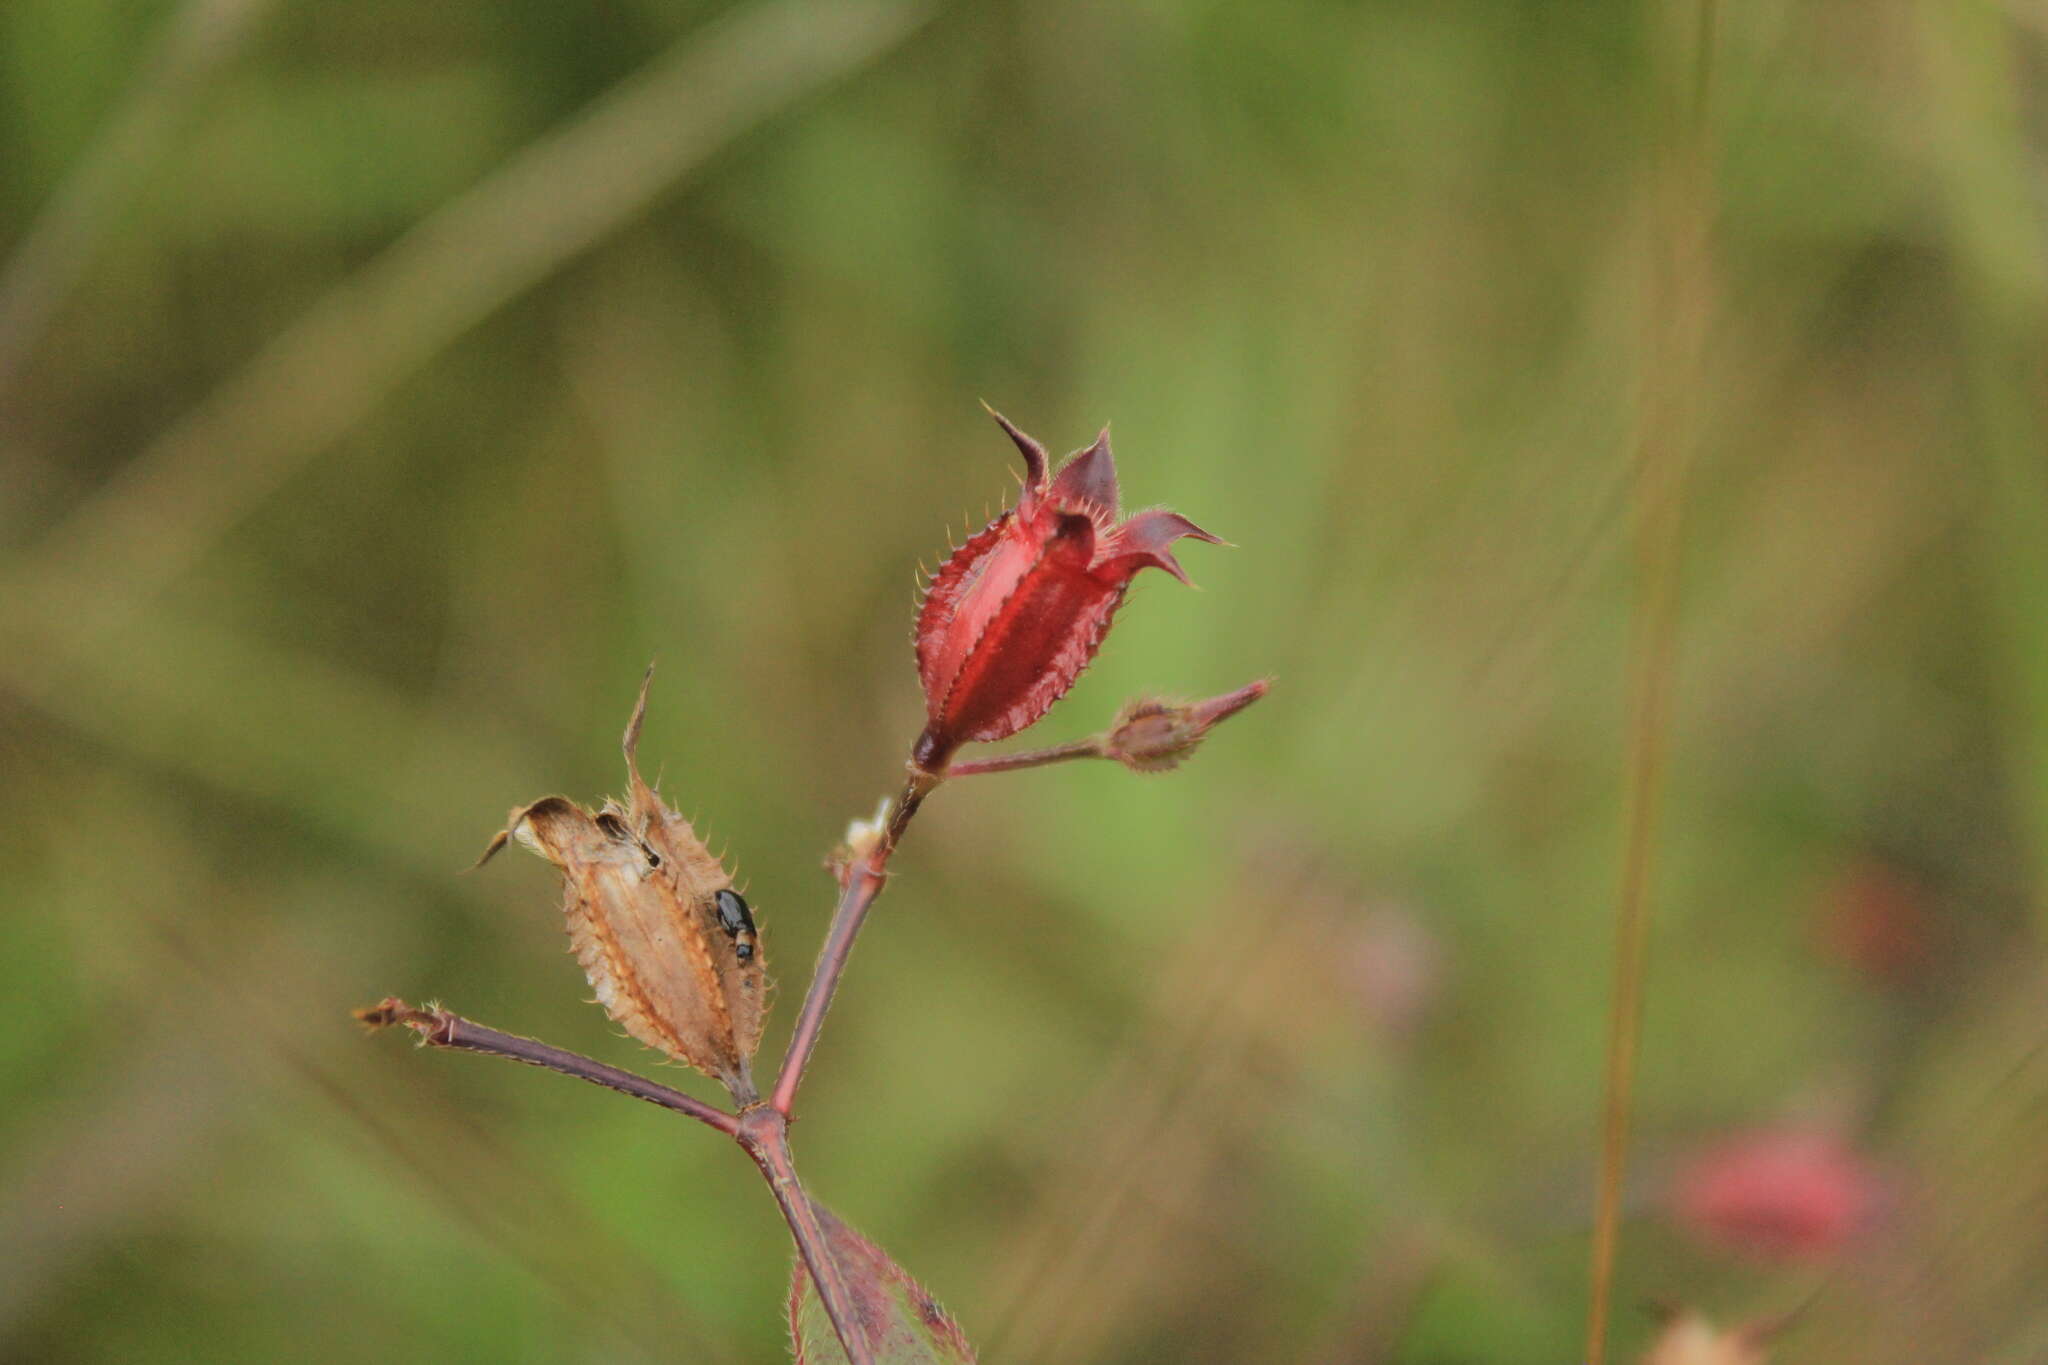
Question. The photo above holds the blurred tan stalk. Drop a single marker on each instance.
(58, 247)
(558, 197)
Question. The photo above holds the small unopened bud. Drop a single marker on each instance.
(1153, 736)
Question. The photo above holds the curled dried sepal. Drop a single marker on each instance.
(652, 918)
(863, 839)
(428, 1021)
(1152, 736)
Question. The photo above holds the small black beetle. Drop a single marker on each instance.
(737, 921)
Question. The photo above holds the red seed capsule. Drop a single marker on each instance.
(1018, 612)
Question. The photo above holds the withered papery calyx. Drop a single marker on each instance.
(639, 894)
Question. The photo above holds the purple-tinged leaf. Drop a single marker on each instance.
(904, 1324)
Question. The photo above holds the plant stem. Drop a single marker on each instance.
(1680, 298)
(442, 1028)
(1029, 758)
(864, 879)
(48, 260)
(764, 1133)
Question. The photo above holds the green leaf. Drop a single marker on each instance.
(905, 1325)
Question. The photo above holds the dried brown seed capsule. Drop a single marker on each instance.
(646, 905)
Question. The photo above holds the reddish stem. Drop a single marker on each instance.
(764, 1133)
(864, 880)
(443, 1028)
(1029, 758)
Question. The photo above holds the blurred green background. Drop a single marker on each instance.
(383, 384)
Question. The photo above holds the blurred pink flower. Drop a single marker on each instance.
(1394, 968)
(1779, 1194)
(1875, 919)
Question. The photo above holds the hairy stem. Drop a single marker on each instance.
(864, 878)
(443, 1028)
(764, 1132)
(1029, 758)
